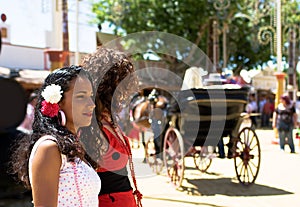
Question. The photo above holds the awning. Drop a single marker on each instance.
(28, 78)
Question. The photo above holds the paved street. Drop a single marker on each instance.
(277, 185)
(278, 182)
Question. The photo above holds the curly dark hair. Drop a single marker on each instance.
(112, 72)
(67, 142)
(113, 78)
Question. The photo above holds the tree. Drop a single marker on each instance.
(193, 20)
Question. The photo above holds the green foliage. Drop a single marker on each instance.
(192, 20)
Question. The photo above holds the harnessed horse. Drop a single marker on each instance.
(149, 112)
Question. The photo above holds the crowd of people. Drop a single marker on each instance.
(283, 117)
(262, 109)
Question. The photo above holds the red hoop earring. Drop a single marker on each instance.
(62, 118)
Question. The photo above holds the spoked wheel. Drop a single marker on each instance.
(173, 156)
(154, 163)
(202, 161)
(247, 156)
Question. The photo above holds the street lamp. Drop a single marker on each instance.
(278, 35)
(279, 75)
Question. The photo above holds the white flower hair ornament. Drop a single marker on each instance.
(52, 95)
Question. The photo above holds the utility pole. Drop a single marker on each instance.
(279, 75)
(65, 32)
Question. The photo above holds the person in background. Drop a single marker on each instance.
(114, 81)
(158, 105)
(267, 112)
(252, 108)
(297, 107)
(52, 161)
(26, 125)
(261, 103)
(285, 119)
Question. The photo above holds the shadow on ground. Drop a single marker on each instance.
(203, 204)
(225, 186)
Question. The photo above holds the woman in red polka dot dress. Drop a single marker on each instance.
(52, 161)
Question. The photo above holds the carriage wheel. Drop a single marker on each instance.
(153, 162)
(247, 156)
(202, 161)
(173, 156)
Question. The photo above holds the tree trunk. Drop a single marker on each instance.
(65, 32)
(210, 39)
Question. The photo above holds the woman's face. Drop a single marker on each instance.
(78, 104)
(283, 101)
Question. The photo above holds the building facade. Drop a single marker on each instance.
(35, 25)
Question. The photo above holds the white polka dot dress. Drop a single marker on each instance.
(79, 184)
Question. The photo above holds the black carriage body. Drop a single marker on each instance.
(203, 116)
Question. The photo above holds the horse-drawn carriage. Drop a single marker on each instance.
(197, 120)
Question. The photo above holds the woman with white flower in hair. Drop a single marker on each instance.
(52, 161)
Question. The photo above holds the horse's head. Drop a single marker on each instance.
(156, 100)
(141, 108)
(139, 113)
(162, 102)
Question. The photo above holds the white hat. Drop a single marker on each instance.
(193, 78)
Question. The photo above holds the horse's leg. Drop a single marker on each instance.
(144, 145)
(156, 128)
(221, 148)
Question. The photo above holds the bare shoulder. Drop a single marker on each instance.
(48, 146)
(48, 150)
